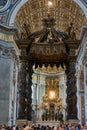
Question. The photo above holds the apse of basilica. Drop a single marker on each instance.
(43, 61)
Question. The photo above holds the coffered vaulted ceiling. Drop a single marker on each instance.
(64, 11)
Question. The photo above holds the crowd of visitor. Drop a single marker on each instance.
(42, 127)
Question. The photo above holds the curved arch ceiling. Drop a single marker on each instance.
(64, 11)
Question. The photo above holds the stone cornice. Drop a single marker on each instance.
(51, 75)
(13, 31)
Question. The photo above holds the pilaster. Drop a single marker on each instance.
(78, 93)
(85, 91)
(81, 78)
(9, 70)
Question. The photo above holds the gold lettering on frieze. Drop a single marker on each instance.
(6, 37)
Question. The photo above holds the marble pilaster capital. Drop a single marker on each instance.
(8, 52)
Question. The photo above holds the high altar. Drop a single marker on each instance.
(49, 94)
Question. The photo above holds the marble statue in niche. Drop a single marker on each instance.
(71, 32)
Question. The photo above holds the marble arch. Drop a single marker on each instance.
(22, 2)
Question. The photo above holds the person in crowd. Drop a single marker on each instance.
(85, 127)
(72, 127)
(28, 126)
